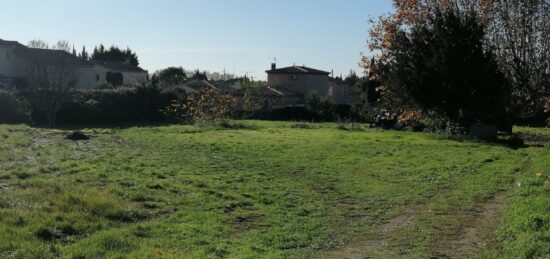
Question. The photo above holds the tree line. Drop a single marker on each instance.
(101, 53)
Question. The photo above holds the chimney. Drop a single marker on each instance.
(273, 66)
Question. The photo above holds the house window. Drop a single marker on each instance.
(330, 91)
(294, 77)
(96, 77)
(7, 55)
(114, 78)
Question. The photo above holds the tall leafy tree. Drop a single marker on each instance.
(116, 54)
(171, 76)
(84, 54)
(517, 30)
(520, 31)
(442, 65)
(199, 75)
(352, 78)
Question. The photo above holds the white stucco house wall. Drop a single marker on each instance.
(131, 75)
(14, 59)
(11, 66)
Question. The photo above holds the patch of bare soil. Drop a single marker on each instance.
(378, 239)
(475, 236)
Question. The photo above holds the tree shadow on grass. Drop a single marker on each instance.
(223, 125)
(115, 126)
(514, 141)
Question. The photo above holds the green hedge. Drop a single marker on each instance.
(304, 113)
(123, 105)
(12, 109)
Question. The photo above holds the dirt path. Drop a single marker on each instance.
(378, 239)
(476, 235)
(472, 238)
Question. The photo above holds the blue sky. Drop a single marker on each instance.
(240, 36)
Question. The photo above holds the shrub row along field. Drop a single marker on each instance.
(266, 189)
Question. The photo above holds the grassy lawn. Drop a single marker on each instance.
(266, 189)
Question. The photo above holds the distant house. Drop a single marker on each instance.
(16, 57)
(131, 75)
(234, 88)
(305, 80)
(269, 96)
(341, 93)
(299, 79)
(230, 85)
(195, 85)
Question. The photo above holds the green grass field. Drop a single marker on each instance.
(269, 190)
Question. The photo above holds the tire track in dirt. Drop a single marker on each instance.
(476, 234)
(472, 237)
(377, 239)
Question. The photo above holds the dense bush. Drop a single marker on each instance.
(340, 112)
(204, 107)
(12, 109)
(346, 112)
(285, 113)
(122, 105)
(321, 108)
